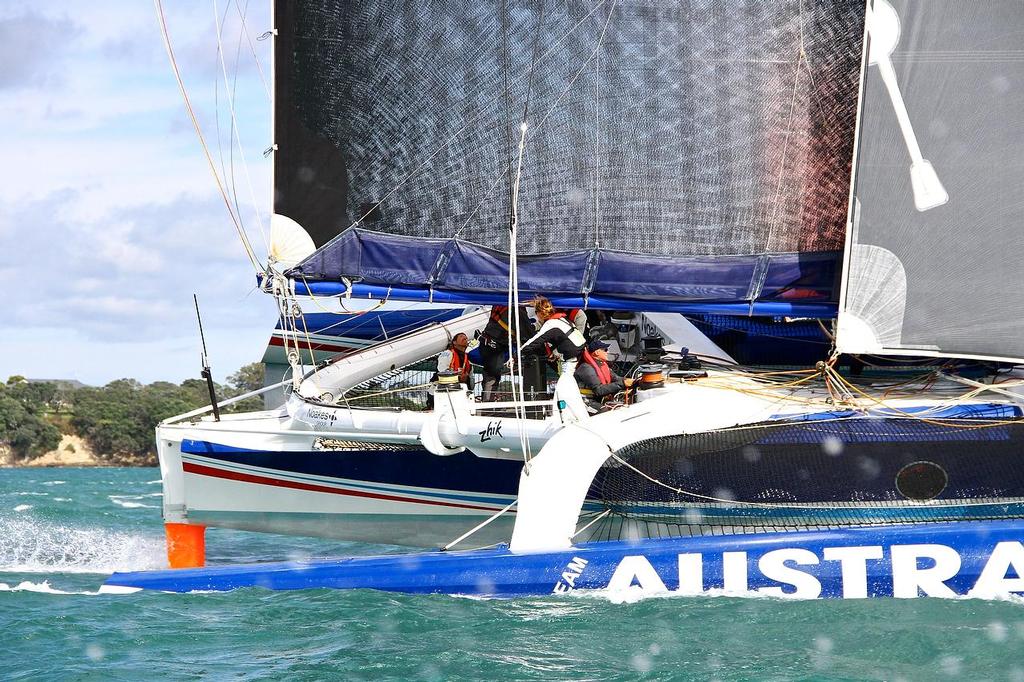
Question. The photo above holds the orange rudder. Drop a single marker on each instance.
(186, 545)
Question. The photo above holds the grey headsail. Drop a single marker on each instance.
(935, 259)
(677, 150)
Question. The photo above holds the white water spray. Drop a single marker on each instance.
(34, 546)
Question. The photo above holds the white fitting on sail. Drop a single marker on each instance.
(290, 244)
(884, 26)
(876, 302)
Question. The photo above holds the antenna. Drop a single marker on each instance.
(206, 374)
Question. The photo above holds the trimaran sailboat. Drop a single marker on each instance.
(664, 157)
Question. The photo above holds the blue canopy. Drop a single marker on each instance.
(453, 270)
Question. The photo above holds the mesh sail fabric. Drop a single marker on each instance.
(840, 472)
(655, 129)
(941, 278)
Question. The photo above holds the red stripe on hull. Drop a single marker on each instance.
(191, 468)
(278, 341)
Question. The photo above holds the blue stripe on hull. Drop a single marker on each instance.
(415, 468)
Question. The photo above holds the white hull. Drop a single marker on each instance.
(265, 478)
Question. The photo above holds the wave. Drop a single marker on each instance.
(126, 501)
(33, 546)
(22, 507)
(43, 587)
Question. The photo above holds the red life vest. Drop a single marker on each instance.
(604, 373)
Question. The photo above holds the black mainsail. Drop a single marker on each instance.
(674, 151)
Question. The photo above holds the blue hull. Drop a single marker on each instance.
(984, 559)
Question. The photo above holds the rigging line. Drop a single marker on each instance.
(507, 95)
(576, 76)
(235, 130)
(344, 311)
(486, 196)
(400, 330)
(199, 132)
(229, 177)
(910, 415)
(480, 525)
(518, 390)
(533, 69)
(309, 341)
(785, 145)
(600, 516)
(231, 94)
(597, 152)
(252, 49)
(465, 126)
(514, 340)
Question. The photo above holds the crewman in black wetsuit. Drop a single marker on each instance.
(494, 343)
(557, 333)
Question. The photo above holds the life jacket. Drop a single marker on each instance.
(497, 328)
(458, 364)
(549, 352)
(604, 373)
(497, 312)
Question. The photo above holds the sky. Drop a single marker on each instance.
(110, 218)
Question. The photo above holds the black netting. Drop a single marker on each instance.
(826, 473)
(656, 126)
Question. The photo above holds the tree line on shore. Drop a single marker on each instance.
(115, 420)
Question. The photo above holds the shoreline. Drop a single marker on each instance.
(73, 451)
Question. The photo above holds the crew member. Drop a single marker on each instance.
(494, 342)
(596, 378)
(556, 332)
(578, 317)
(454, 358)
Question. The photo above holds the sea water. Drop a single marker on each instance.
(62, 531)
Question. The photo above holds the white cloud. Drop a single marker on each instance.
(109, 216)
(33, 48)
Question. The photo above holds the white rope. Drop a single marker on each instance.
(518, 392)
(252, 49)
(479, 526)
(600, 516)
(236, 133)
(199, 133)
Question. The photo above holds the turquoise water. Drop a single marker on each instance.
(63, 530)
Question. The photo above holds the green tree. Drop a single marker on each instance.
(23, 424)
(248, 378)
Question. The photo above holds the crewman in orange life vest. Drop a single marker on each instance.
(454, 358)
